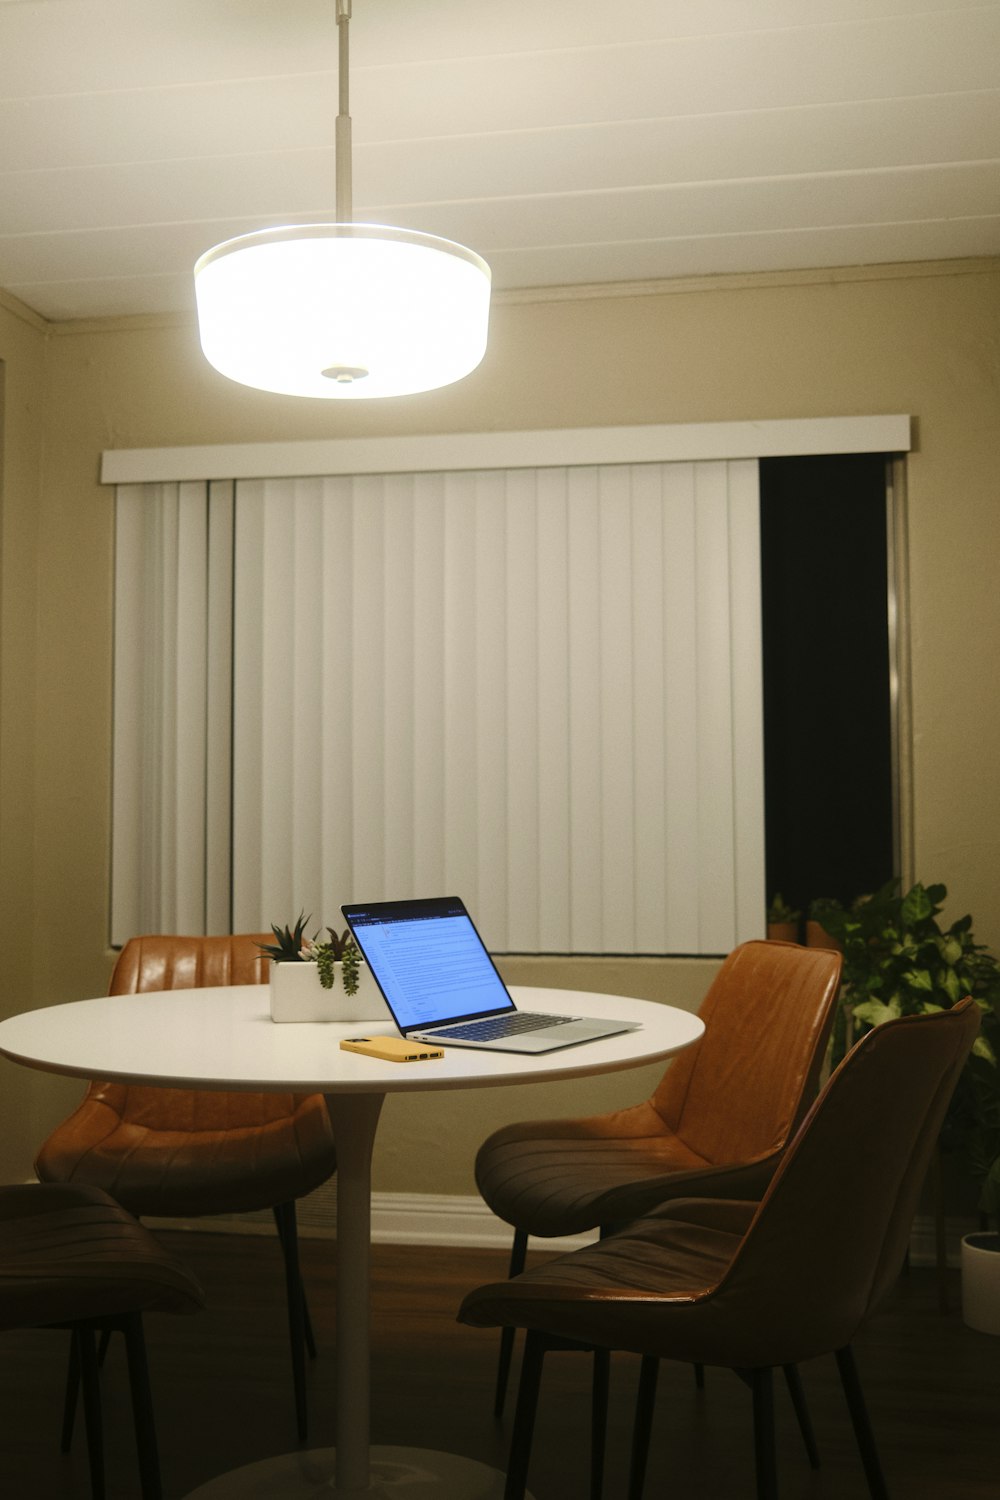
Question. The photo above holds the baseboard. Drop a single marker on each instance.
(465, 1222)
(397, 1219)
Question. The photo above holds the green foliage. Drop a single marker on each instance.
(293, 946)
(899, 961)
(351, 960)
(780, 911)
(340, 948)
(823, 907)
(288, 948)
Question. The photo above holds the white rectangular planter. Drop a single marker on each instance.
(297, 995)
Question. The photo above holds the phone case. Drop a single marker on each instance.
(392, 1048)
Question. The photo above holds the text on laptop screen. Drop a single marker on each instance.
(431, 969)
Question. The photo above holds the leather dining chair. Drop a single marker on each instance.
(754, 1286)
(70, 1257)
(180, 1153)
(716, 1125)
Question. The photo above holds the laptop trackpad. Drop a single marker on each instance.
(571, 1032)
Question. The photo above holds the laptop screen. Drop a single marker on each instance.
(429, 961)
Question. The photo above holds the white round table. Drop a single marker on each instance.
(224, 1038)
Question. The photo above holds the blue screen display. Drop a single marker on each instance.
(429, 961)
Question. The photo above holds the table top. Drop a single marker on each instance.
(224, 1038)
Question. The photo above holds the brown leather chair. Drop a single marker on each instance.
(180, 1153)
(754, 1286)
(716, 1125)
(72, 1257)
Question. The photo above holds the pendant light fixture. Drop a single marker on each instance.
(343, 310)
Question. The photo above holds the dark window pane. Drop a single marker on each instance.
(828, 776)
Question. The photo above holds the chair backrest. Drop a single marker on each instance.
(739, 1094)
(68, 1251)
(168, 962)
(829, 1237)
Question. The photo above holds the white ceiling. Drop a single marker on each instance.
(568, 141)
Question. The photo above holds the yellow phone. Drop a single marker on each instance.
(391, 1048)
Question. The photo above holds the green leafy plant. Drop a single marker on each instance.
(822, 908)
(339, 948)
(292, 946)
(287, 949)
(900, 961)
(779, 912)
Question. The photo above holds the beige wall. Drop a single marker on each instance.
(22, 404)
(923, 340)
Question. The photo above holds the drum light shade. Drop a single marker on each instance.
(342, 311)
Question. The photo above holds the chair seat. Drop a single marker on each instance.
(236, 1168)
(620, 1293)
(560, 1177)
(71, 1253)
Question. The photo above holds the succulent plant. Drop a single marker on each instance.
(293, 946)
(288, 948)
(341, 948)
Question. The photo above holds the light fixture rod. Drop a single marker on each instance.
(345, 206)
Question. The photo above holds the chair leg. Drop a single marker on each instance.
(599, 1420)
(72, 1393)
(281, 1219)
(284, 1217)
(699, 1377)
(765, 1454)
(643, 1425)
(518, 1254)
(861, 1423)
(794, 1382)
(142, 1409)
(90, 1381)
(524, 1417)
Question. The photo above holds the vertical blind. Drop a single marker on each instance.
(171, 833)
(537, 688)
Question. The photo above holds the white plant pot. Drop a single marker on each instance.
(981, 1281)
(297, 995)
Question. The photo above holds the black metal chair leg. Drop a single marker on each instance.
(765, 1454)
(90, 1382)
(142, 1409)
(284, 1216)
(599, 1420)
(288, 1233)
(642, 1429)
(794, 1382)
(861, 1423)
(699, 1376)
(518, 1254)
(524, 1417)
(72, 1392)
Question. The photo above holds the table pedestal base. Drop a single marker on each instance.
(396, 1474)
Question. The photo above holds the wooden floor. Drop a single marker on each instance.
(223, 1392)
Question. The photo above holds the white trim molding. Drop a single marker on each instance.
(653, 443)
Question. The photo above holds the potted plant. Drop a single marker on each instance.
(818, 934)
(898, 961)
(782, 920)
(305, 972)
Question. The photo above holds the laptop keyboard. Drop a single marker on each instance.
(499, 1026)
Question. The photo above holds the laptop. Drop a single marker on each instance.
(441, 985)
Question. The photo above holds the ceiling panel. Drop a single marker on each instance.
(568, 142)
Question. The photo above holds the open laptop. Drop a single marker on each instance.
(441, 985)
